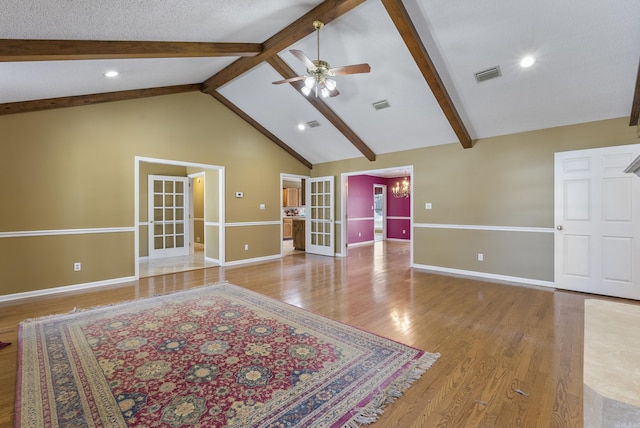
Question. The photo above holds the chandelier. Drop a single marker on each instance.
(401, 189)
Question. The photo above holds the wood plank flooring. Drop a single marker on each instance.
(511, 356)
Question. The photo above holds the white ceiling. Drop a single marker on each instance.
(587, 61)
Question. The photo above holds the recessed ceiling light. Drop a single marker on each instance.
(111, 73)
(527, 61)
(301, 126)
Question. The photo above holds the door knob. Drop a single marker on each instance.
(559, 227)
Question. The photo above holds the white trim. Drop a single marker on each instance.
(479, 227)
(254, 223)
(254, 260)
(398, 218)
(212, 223)
(211, 259)
(359, 244)
(398, 239)
(54, 232)
(485, 276)
(63, 289)
(360, 218)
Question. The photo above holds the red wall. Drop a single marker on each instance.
(360, 210)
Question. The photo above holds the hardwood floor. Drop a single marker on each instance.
(511, 356)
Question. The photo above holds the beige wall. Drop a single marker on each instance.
(73, 169)
(501, 181)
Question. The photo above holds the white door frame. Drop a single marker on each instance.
(136, 195)
(406, 170)
(384, 210)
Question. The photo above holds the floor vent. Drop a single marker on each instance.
(379, 105)
(313, 124)
(488, 74)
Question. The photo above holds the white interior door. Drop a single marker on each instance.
(597, 217)
(168, 216)
(320, 216)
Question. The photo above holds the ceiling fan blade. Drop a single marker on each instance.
(350, 69)
(334, 93)
(289, 80)
(303, 58)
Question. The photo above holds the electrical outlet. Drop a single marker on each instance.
(359, 234)
(404, 231)
(428, 206)
(197, 239)
(262, 206)
(77, 266)
(246, 247)
(480, 257)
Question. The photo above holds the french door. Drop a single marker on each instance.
(168, 216)
(320, 216)
(597, 218)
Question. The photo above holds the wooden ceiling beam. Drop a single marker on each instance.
(635, 104)
(409, 34)
(300, 28)
(234, 108)
(286, 72)
(84, 100)
(12, 50)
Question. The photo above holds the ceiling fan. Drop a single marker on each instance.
(318, 80)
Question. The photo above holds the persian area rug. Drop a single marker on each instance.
(216, 356)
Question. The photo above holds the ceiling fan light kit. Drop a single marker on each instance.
(318, 81)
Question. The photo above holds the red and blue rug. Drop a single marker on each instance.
(216, 356)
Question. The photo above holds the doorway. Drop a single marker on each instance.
(293, 215)
(360, 215)
(379, 212)
(211, 251)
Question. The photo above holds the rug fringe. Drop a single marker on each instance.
(372, 411)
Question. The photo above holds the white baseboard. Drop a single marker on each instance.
(64, 288)
(504, 279)
(254, 260)
(360, 244)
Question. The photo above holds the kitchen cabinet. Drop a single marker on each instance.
(291, 197)
(299, 234)
(287, 228)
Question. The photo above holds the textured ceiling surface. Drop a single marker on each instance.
(586, 53)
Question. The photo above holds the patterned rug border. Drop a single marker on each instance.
(370, 408)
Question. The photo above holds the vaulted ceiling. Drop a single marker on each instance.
(423, 55)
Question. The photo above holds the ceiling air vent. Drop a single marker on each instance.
(313, 124)
(490, 73)
(379, 105)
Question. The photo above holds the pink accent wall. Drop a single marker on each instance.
(360, 206)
